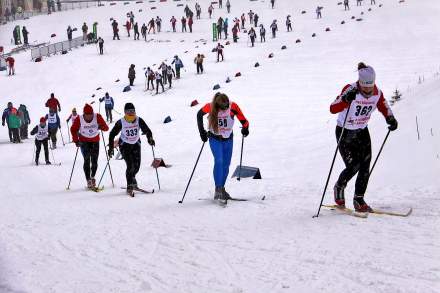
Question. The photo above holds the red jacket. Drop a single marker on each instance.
(74, 130)
(53, 103)
(10, 61)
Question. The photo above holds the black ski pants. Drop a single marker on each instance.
(199, 68)
(150, 80)
(45, 144)
(355, 149)
(170, 79)
(53, 135)
(15, 134)
(159, 82)
(108, 114)
(90, 152)
(132, 157)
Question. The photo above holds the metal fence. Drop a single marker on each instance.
(64, 6)
(56, 48)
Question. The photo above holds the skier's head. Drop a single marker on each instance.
(106, 94)
(367, 78)
(9, 105)
(88, 113)
(219, 102)
(74, 111)
(52, 95)
(130, 112)
(42, 121)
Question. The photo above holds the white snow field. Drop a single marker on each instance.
(54, 240)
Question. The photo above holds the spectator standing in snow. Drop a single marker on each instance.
(190, 23)
(252, 36)
(128, 27)
(318, 12)
(25, 120)
(173, 21)
(136, 31)
(69, 33)
(288, 23)
(272, 2)
(183, 21)
(131, 74)
(235, 33)
(101, 45)
(262, 33)
(10, 62)
(359, 3)
(14, 124)
(228, 6)
(158, 23)
(210, 10)
(25, 34)
(346, 5)
(84, 29)
(256, 18)
(219, 50)
(5, 118)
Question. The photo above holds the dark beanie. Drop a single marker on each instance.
(129, 106)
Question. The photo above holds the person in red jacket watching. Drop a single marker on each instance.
(53, 103)
(11, 61)
(85, 134)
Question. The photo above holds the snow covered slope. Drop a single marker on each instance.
(53, 240)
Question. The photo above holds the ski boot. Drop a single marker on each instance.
(226, 195)
(48, 162)
(339, 196)
(36, 162)
(130, 190)
(360, 205)
(89, 184)
(93, 182)
(134, 185)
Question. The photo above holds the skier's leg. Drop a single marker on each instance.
(94, 158)
(348, 148)
(365, 156)
(217, 152)
(46, 149)
(227, 155)
(85, 150)
(37, 151)
(136, 153)
(127, 155)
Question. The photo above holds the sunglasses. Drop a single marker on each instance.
(130, 112)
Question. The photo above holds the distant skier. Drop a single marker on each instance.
(5, 118)
(128, 27)
(346, 5)
(198, 11)
(131, 127)
(220, 3)
(25, 120)
(210, 10)
(358, 100)
(274, 28)
(115, 30)
(178, 64)
(225, 27)
(158, 78)
(144, 32)
(10, 62)
(219, 27)
(190, 24)
(262, 33)
(173, 21)
(359, 3)
(53, 103)
(183, 22)
(85, 135)
(219, 50)
(243, 20)
(72, 116)
(373, 2)
(228, 6)
(199, 63)
(251, 17)
(158, 23)
(54, 123)
(109, 105)
(41, 132)
(170, 74)
(235, 30)
(152, 26)
(256, 18)
(163, 68)
(288, 23)
(252, 36)
(220, 133)
(149, 75)
(101, 45)
(318, 12)
(136, 31)
(131, 74)
(272, 2)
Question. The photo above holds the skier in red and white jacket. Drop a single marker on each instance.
(85, 134)
(355, 105)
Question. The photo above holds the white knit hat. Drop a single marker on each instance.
(367, 76)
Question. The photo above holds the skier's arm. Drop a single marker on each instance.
(101, 99)
(101, 123)
(59, 106)
(75, 129)
(68, 119)
(202, 112)
(113, 133)
(145, 129)
(237, 112)
(383, 107)
(339, 104)
(34, 130)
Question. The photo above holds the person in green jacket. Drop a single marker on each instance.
(23, 113)
(14, 125)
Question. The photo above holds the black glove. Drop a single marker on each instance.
(3, 123)
(110, 152)
(204, 135)
(245, 131)
(350, 95)
(392, 122)
(151, 141)
(78, 144)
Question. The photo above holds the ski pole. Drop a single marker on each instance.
(241, 158)
(380, 151)
(73, 167)
(333, 161)
(108, 162)
(190, 178)
(157, 173)
(62, 137)
(33, 156)
(68, 132)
